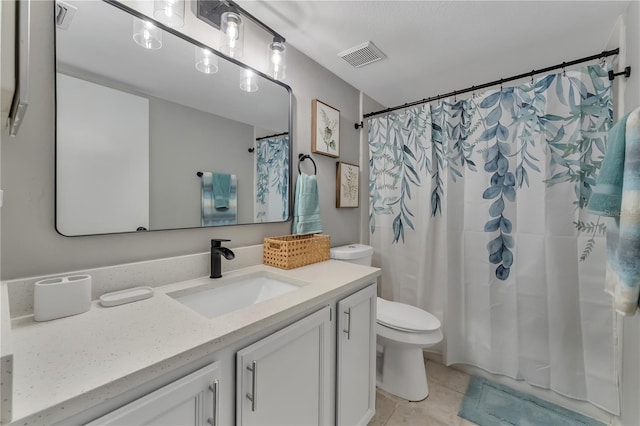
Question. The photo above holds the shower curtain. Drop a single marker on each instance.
(477, 214)
(272, 179)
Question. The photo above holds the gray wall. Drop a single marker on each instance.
(184, 140)
(30, 244)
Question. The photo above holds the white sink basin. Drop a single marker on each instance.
(232, 295)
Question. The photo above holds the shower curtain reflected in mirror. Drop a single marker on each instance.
(272, 179)
(477, 214)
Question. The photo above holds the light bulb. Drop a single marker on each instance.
(231, 27)
(232, 34)
(169, 12)
(277, 58)
(146, 34)
(206, 62)
(248, 81)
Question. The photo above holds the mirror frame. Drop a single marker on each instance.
(196, 43)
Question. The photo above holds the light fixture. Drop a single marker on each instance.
(146, 34)
(277, 59)
(248, 81)
(228, 17)
(206, 61)
(232, 28)
(169, 12)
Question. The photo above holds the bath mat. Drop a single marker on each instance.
(491, 404)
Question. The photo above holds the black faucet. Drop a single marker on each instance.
(216, 251)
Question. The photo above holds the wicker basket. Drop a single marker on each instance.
(293, 251)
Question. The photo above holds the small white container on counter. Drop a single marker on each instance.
(61, 297)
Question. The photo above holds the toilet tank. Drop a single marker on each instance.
(353, 253)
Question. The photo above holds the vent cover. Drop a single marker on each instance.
(64, 14)
(363, 54)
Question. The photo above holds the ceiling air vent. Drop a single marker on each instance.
(64, 14)
(363, 54)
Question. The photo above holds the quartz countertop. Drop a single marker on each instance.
(64, 366)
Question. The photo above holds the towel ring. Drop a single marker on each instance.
(301, 158)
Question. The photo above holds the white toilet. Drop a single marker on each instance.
(403, 331)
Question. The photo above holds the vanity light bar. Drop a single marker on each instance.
(210, 11)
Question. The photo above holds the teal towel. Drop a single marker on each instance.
(221, 188)
(623, 233)
(306, 210)
(607, 194)
(210, 214)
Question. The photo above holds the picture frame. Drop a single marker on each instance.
(347, 185)
(325, 129)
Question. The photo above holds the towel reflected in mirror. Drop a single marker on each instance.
(219, 199)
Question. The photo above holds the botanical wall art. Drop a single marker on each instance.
(347, 185)
(325, 129)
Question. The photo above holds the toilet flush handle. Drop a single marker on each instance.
(348, 329)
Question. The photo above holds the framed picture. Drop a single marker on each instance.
(325, 129)
(347, 185)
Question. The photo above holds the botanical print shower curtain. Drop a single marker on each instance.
(477, 214)
(272, 179)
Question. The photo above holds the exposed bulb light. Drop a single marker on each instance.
(277, 59)
(232, 28)
(206, 62)
(146, 34)
(248, 81)
(169, 12)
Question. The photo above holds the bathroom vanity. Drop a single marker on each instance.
(303, 357)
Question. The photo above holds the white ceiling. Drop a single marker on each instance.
(435, 47)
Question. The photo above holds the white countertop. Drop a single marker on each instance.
(65, 366)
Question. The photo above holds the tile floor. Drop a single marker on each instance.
(446, 390)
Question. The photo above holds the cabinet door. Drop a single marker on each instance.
(356, 360)
(283, 379)
(191, 400)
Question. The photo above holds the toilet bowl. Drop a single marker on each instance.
(403, 331)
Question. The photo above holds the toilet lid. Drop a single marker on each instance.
(405, 317)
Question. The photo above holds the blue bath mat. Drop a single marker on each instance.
(491, 404)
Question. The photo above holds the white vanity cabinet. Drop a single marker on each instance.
(284, 378)
(191, 400)
(313, 367)
(356, 358)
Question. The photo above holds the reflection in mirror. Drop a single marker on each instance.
(157, 134)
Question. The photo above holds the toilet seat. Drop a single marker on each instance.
(393, 336)
(405, 318)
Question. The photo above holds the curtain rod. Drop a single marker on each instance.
(626, 73)
(272, 136)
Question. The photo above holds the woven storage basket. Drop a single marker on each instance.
(293, 251)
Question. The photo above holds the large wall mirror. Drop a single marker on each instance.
(147, 140)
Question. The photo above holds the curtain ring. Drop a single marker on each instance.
(532, 74)
(501, 80)
(455, 97)
(564, 72)
(473, 92)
